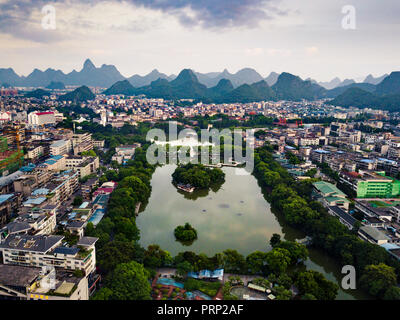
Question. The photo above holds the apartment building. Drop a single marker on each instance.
(62, 187)
(371, 184)
(48, 250)
(125, 153)
(37, 222)
(9, 204)
(60, 147)
(35, 152)
(82, 143)
(36, 118)
(30, 181)
(98, 144)
(83, 165)
(32, 283)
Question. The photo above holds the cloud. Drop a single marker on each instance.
(21, 18)
(311, 51)
(254, 52)
(279, 52)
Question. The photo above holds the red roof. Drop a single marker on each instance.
(43, 113)
(353, 174)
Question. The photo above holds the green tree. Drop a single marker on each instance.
(117, 252)
(255, 261)
(314, 283)
(234, 261)
(393, 293)
(129, 281)
(278, 260)
(77, 201)
(376, 279)
(155, 257)
(275, 240)
(282, 293)
(103, 294)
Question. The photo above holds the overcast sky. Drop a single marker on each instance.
(303, 37)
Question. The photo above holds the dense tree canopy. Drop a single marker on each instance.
(198, 176)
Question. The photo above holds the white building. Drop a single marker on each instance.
(39, 251)
(41, 118)
(60, 147)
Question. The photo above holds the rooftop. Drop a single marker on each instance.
(18, 276)
(30, 243)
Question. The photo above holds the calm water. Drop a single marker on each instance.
(236, 216)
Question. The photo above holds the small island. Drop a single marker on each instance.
(185, 234)
(197, 176)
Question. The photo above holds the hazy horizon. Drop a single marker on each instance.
(137, 36)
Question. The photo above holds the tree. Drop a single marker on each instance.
(282, 293)
(77, 201)
(275, 240)
(285, 281)
(278, 260)
(376, 279)
(314, 283)
(128, 228)
(185, 233)
(183, 268)
(297, 251)
(255, 261)
(308, 296)
(129, 281)
(90, 153)
(103, 294)
(155, 257)
(139, 189)
(117, 252)
(393, 293)
(234, 261)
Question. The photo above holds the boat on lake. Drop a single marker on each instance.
(186, 187)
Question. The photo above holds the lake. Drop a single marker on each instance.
(236, 216)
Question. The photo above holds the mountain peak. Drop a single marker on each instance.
(88, 64)
(186, 75)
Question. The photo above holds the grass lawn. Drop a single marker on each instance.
(209, 288)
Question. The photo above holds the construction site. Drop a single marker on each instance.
(11, 154)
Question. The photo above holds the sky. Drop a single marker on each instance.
(303, 37)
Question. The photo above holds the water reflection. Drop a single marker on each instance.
(236, 216)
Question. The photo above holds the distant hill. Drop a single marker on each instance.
(335, 82)
(121, 87)
(81, 94)
(346, 82)
(249, 93)
(10, 77)
(389, 85)
(385, 95)
(244, 76)
(370, 79)
(185, 86)
(38, 94)
(141, 81)
(355, 97)
(104, 76)
(223, 87)
(341, 89)
(290, 87)
(272, 78)
(54, 85)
